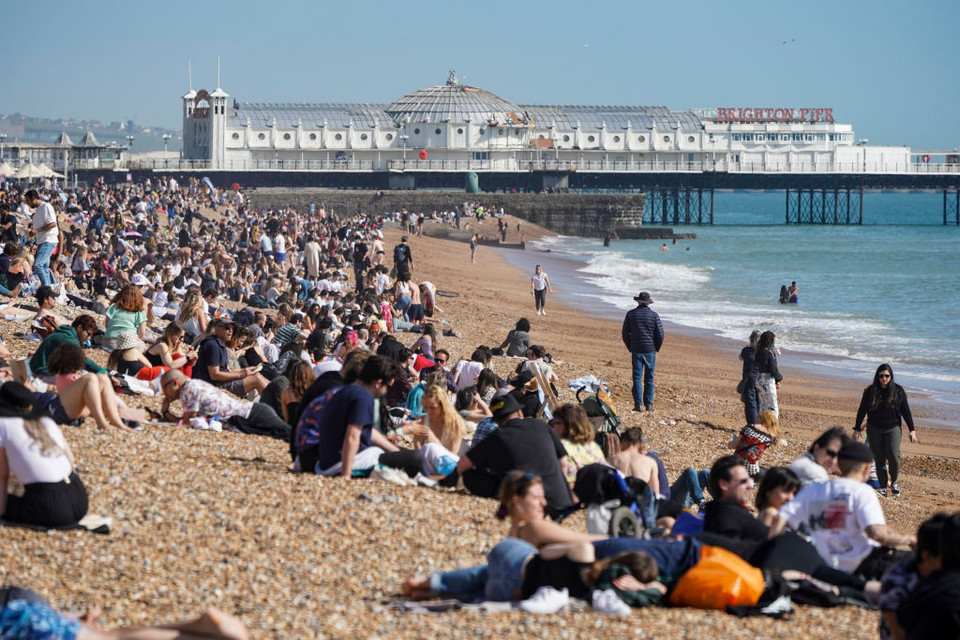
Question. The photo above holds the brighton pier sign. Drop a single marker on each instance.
(769, 114)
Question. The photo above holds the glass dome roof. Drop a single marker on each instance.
(454, 102)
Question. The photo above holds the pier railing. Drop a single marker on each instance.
(558, 166)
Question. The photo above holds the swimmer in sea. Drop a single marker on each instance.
(793, 297)
(664, 247)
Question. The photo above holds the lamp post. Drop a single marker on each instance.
(3, 137)
(166, 139)
(403, 138)
(130, 141)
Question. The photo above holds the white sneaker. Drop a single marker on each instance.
(544, 312)
(607, 601)
(546, 600)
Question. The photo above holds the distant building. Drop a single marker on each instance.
(456, 127)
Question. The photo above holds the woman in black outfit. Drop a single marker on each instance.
(884, 404)
(748, 378)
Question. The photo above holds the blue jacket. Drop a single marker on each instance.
(642, 331)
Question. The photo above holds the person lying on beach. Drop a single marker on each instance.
(778, 487)
(30, 619)
(520, 570)
(202, 399)
(47, 301)
(77, 332)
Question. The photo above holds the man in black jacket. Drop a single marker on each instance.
(642, 334)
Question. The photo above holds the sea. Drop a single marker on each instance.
(887, 290)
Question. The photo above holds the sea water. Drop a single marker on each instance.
(884, 291)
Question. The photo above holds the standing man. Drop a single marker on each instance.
(642, 334)
(46, 233)
(539, 285)
(402, 259)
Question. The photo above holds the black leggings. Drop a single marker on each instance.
(540, 298)
(49, 504)
(411, 462)
(885, 445)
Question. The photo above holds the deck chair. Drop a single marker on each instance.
(548, 399)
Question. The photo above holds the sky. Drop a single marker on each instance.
(890, 69)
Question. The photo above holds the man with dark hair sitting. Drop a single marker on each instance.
(845, 519)
(521, 443)
(727, 514)
(77, 333)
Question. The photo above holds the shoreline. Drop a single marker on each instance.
(940, 412)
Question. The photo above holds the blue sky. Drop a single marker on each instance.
(888, 68)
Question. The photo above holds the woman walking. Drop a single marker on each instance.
(539, 285)
(748, 378)
(884, 404)
(768, 376)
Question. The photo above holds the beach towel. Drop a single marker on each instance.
(91, 523)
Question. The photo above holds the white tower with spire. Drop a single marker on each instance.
(218, 124)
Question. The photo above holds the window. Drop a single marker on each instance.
(416, 131)
(541, 136)
(389, 137)
(261, 136)
(616, 138)
(460, 131)
(591, 139)
(666, 138)
(363, 136)
(500, 132)
(566, 138)
(437, 131)
(338, 137)
(690, 138)
(286, 136)
(313, 136)
(642, 138)
(236, 136)
(481, 155)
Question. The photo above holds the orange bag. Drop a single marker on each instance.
(719, 580)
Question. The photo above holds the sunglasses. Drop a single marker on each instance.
(884, 375)
(744, 480)
(832, 453)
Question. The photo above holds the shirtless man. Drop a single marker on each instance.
(377, 249)
(632, 461)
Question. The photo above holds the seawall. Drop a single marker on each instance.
(586, 215)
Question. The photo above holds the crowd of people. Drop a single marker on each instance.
(290, 325)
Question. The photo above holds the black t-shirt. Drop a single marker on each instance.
(10, 235)
(734, 521)
(401, 254)
(530, 445)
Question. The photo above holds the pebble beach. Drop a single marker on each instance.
(204, 519)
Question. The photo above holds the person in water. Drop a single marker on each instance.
(793, 293)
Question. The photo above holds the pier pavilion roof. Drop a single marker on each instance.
(595, 117)
(454, 102)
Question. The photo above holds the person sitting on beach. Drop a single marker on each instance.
(34, 451)
(901, 579)
(633, 462)
(438, 433)
(572, 426)
(727, 514)
(471, 406)
(440, 359)
(754, 439)
(536, 362)
(517, 341)
(47, 301)
(521, 443)
(212, 363)
(858, 542)
(820, 461)
(80, 394)
(300, 376)
(932, 609)
(199, 398)
(467, 371)
(11, 279)
(126, 320)
(78, 332)
(778, 487)
(168, 351)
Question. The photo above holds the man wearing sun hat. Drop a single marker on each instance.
(845, 520)
(642, 334)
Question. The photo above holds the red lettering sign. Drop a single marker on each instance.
(768, 114)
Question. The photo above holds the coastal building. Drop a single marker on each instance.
(456, 127)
